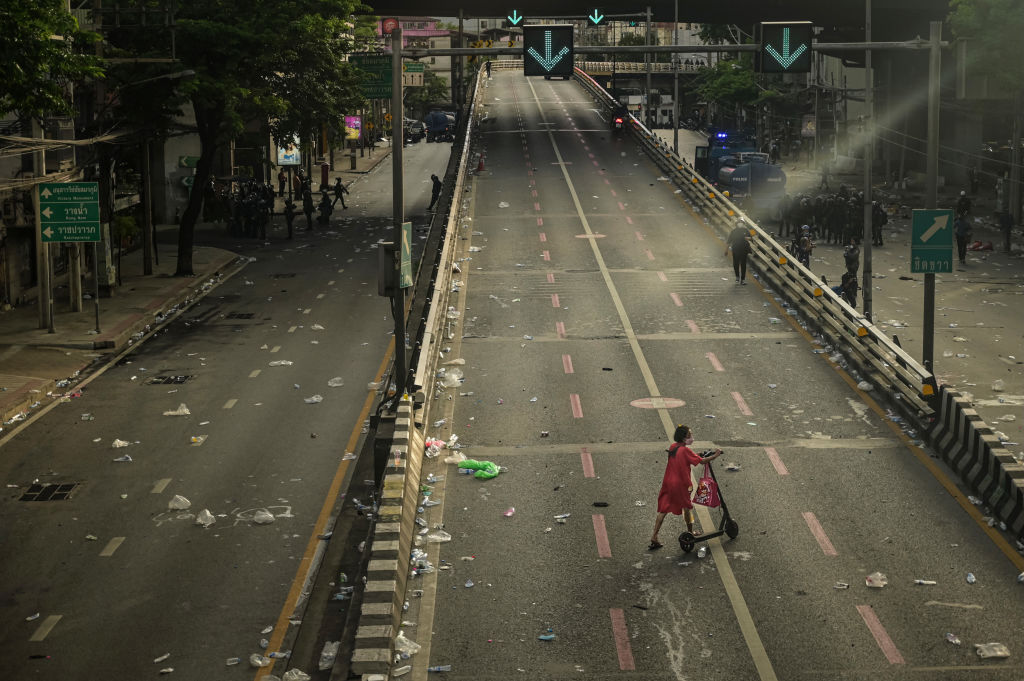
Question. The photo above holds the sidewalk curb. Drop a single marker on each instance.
(42, 385)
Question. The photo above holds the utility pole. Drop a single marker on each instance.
(932, 186)
(647, 66)
(869, 157)
(147, 211)
(675, 84)
(398, 205)
(42, 248)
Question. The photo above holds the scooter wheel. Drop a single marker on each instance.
(687, 542)
(732, 529)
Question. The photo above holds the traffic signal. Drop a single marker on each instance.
(548, 50)
(785, 47)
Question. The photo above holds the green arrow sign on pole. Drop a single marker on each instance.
(596, 17)
(515, 18)
(931, 241)
(785, 47)
(547, 50)
(69, 211)
(376, 68)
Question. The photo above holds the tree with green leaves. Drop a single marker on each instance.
(42, 51)
(283, 63)
(729, 83)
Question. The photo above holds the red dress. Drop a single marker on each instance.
(676, 485)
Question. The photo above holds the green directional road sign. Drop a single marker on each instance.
(547, 50)
(405, 257)
(931, 241)
(596, 17)
(376, 68)
(785, 47)
(69, 211)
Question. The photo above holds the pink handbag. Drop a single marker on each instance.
(707, 490)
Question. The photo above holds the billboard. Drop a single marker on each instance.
(353, 127)
(289, 154)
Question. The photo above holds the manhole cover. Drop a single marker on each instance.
(52, 492)
(168, 380)
(240, 315)
(657, 403)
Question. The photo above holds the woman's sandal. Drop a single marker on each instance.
(655, 545)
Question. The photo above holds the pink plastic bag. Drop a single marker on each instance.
(707, 490)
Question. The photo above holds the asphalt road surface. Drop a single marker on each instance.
(103, 584)
(598, 313)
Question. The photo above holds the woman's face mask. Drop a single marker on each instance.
(689, 440)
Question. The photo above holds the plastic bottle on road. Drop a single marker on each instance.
(440, 668)
(702, 551)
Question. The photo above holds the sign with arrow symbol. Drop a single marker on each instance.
(596, 17)
(69, 211)
(785, 47)
(548, 50)
(514, 18)
(931, 241)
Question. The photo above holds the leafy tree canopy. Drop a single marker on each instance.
(729, 82)
(994, 28)
(42, 51)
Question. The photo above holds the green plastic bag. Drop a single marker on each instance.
(485, 470)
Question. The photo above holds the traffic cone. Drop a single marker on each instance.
(480, 164)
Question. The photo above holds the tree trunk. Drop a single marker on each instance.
(208, 126)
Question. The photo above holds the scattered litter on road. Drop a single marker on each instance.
(336, 382)
(469, 584)
(865, 386)
(511, 511)
(485, 470)
(317, 327)
(123, 459)
(205, 518)
(925, 582)
(405, 646)
(231, 661)
(840, 585)
(198, 440)
(314, 399)
(263, 517)
(257, 660)
(437, 537)
(167, 670)
(88, 417)
(161, 658)
(732, 466)
(600, 504)
(876, 580)
(991, 650)
(32, 617)
(953, 638)
(547, 637)
(971, 579)
(182, 410)
(281, 363)
(178, 503)
(117, 444)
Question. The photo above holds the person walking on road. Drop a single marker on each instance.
(282, 178)
(289, 216)
(1006, 225)
(307, 208)
(677, 483)
(962, 232)
(963, 204)
(739, 242)
(339, 193)
(435, 193)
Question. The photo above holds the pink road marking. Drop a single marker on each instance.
(676, 299)
(639, 236)
(577, 408)
(590, 155)
(613, 192)
(546, 255)
(586, 148)
(629, 220)
(773, 456)
(533, 183)
(543, 236)
(621, 635)
(529, 172)
(714, 361)
(650, 256)
(742, 404)
(881, 636)
(621, 206)
(533, 193)
(595, 163)
(587, 461)
(554, 300)
(819, 534)
(606, 181)
(567, 364)
(661, 275)
(536, 205)
(604, 549)
(693, 326)
(551, 277)
(540, 222)
(560, 329)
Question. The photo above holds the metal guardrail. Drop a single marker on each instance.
(890, 370)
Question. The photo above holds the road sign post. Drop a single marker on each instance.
(548, 50)
(785, 47)
(69, 211)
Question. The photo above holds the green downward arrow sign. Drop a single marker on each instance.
(515, 17)
(787, 57)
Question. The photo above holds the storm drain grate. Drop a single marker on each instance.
(240, 315)
(52, 492)
(283, 275)
(169, 380)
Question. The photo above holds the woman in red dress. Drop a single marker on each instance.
(677, 485)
